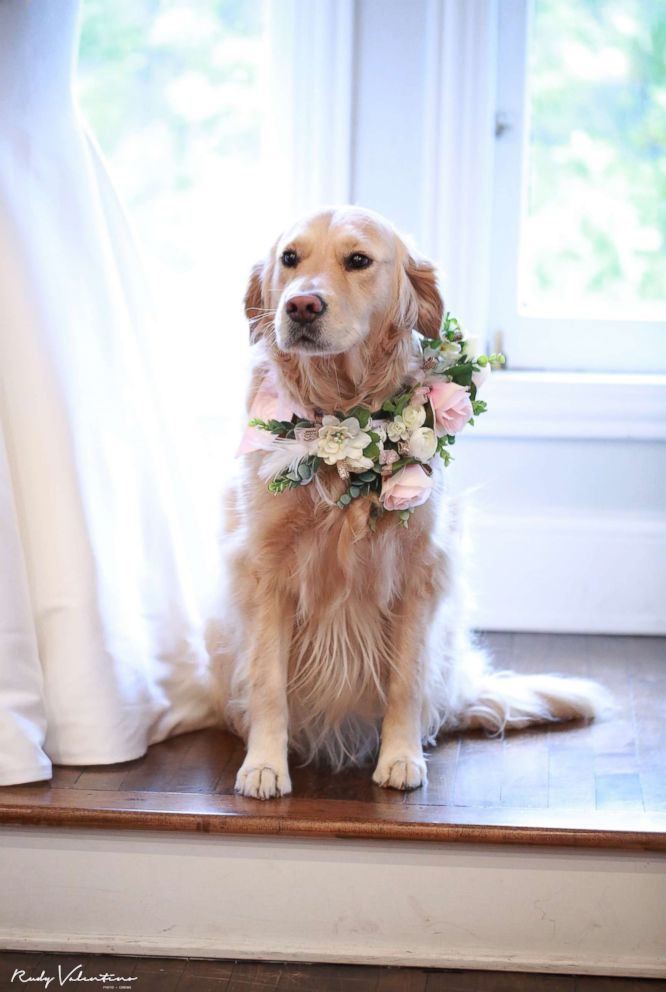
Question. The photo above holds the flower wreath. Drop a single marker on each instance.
(384, 455)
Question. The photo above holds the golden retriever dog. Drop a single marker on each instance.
(336, 640)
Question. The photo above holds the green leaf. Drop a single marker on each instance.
(354, 491)
(462, 374)
(345, 499)
(362, 414)
(372, 451)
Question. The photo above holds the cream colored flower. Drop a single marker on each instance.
(480, 377)
(449, 353)
(472, 346)
(413, 417)
(339, 439)
(358, 464)
(397, 429)
(423, 444)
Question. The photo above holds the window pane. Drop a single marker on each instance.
(175, 93)
(594, 228)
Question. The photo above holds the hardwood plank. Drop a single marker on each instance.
(524, 772)
(590, 983)
(478, 781)
(209, 968)
(442, 763)
(619, 792)
(402, 980)
(500, 981)
(189, 983)
(330, 978)
(251, 975)
(570, 775)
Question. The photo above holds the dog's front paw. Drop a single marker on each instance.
(400, 772)
(260, 780)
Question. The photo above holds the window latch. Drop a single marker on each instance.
(502, 123)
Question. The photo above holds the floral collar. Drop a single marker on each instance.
(384, 455)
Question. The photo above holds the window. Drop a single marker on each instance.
(218, 132)
(178, 96)
(578, 272)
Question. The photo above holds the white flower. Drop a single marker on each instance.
(472, 346)
(449, 353)
(480, 377)
(413, 417)
(397, 429)
(423, 444)
(360, 464)
(342, 439)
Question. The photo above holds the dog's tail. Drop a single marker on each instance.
(507, 700)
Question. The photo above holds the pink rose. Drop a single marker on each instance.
(407, 488)
(451, 407)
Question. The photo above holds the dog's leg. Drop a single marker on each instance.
(401, 764)
(265, 772)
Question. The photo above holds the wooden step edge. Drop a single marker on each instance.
(459, 825)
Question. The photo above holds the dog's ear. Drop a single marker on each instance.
(253, 301)
(422, 278)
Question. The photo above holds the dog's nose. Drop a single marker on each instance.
(305, 309)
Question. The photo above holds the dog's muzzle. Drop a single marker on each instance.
(303, 314)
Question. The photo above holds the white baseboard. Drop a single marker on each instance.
(588, 574)
(435, 905)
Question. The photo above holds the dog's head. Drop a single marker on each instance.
(335, 279)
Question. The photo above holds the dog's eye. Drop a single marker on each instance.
(289, 258)
(357, 261)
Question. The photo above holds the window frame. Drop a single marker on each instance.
(602, 344)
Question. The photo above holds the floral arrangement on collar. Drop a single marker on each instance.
(384, 455)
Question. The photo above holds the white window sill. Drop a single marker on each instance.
(578, 405)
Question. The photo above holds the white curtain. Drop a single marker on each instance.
(101, 644)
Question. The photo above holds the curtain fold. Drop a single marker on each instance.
(101, 644)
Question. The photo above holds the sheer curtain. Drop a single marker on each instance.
(101, 642)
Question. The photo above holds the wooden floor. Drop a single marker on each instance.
(171, 975)
(600, 785)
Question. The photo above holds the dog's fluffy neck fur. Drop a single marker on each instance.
(367, 375)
